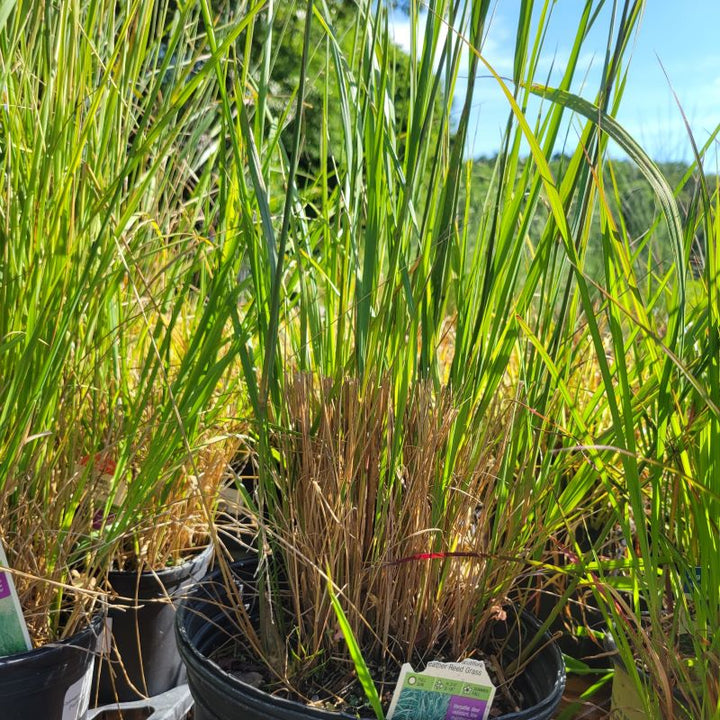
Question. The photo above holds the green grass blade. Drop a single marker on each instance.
(660, 186)
(356, 654)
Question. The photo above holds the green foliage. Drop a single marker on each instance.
(205, 203)
(631, 201)
(275, 61)
(114, 301)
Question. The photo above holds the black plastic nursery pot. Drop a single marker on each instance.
(232, 514)
(143, 660)
(52, 682)
(577, 613)
(203, 623)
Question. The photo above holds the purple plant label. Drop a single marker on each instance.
(4, 585)
(14, 636)
(462, 708)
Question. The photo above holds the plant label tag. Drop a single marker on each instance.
(685, 609)
(77, 696)
(104, 642)
(14, 637)
(443, 691)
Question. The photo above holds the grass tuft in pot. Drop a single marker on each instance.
(422, 546)
(113, 298)
(420, 301)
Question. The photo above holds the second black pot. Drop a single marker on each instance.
(144, 660)
(204, 623)
(578, 612)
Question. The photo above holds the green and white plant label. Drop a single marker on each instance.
(443, 691)
(14, 637)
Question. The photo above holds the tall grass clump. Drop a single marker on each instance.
(114, 294)
(667, 512)
(369, 280)
(223, 219)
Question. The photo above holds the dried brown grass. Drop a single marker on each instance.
(401, 508)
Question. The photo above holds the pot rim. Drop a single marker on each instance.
(94, 628)
(185, 567)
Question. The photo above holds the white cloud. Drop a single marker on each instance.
(494, 48)
(400, 31)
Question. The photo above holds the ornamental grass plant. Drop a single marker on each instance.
(660, 596)
(653, 454)
(255, 222)
(371, 282)
(114, 299)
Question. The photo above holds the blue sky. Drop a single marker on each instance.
(682, 34)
